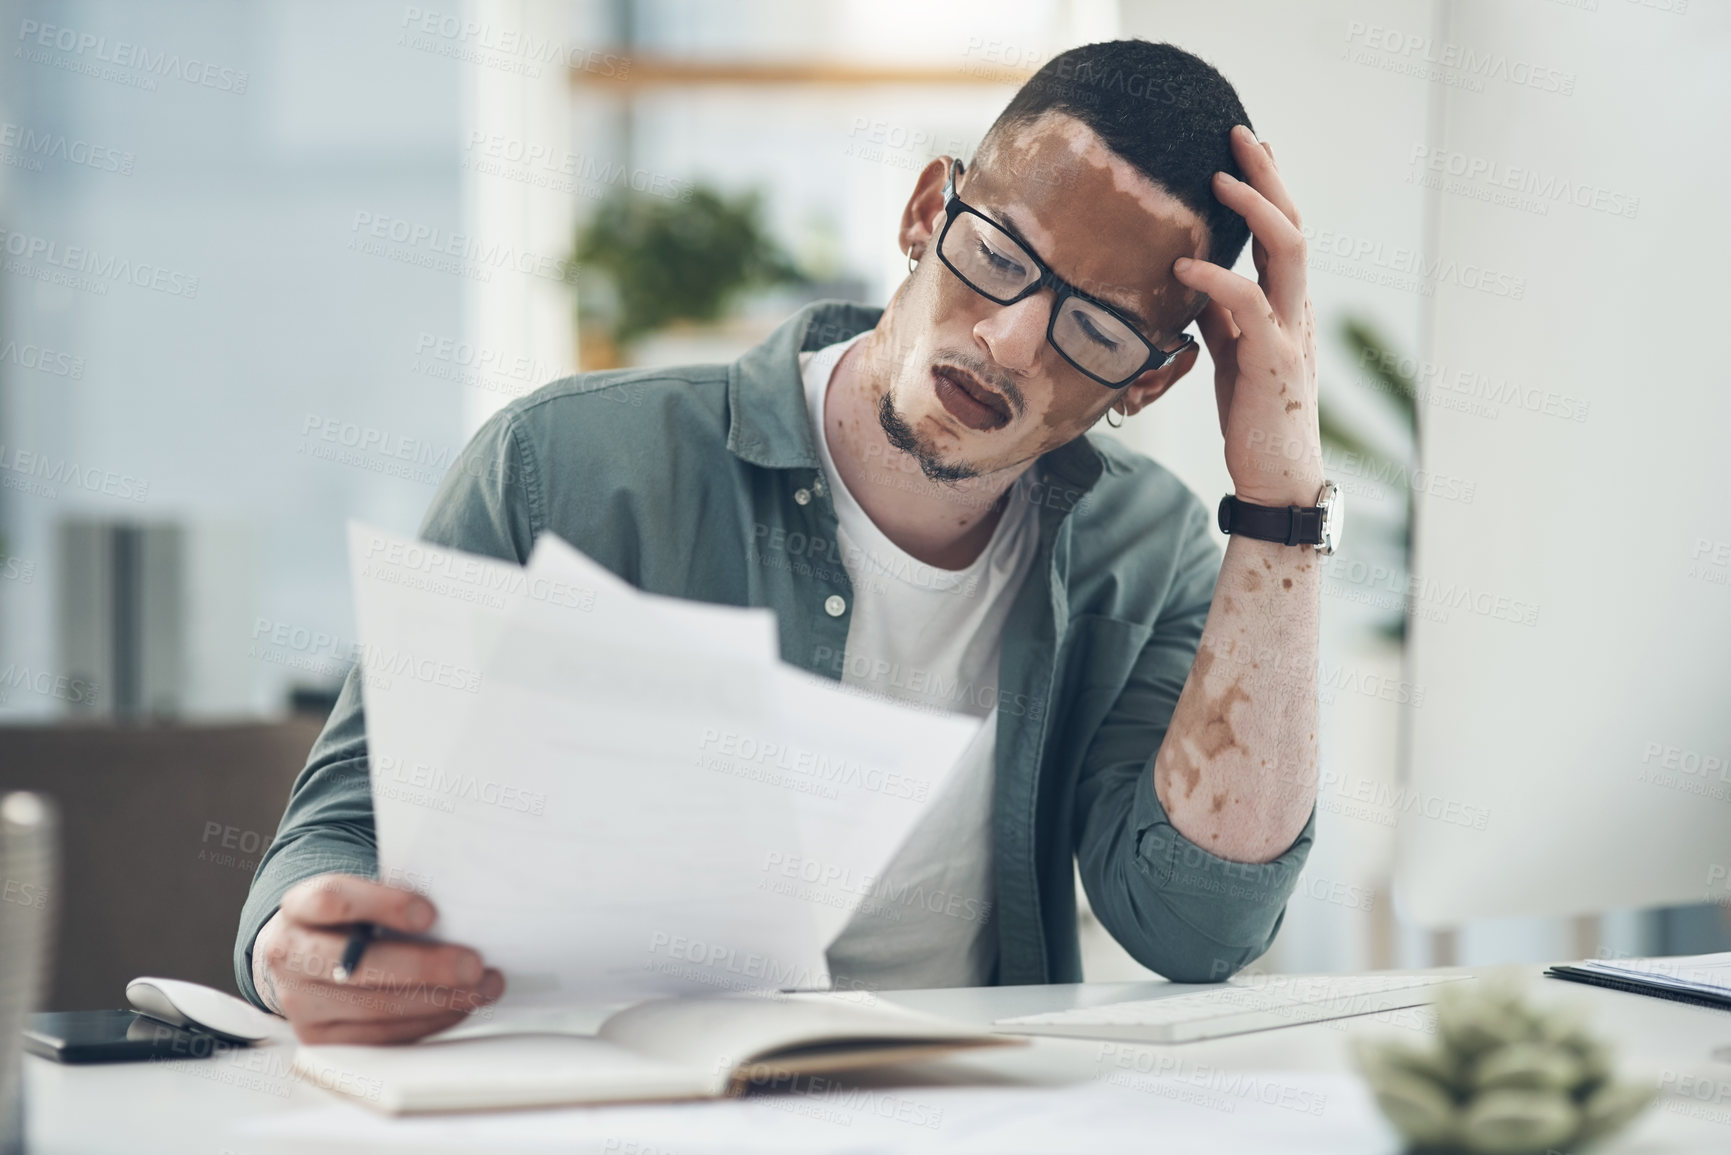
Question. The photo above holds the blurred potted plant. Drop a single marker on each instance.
(646, 263)
(1341, 442)
(1503, 1076)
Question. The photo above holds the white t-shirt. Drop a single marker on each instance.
(929, 637)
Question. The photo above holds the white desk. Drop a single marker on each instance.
(199, 1106)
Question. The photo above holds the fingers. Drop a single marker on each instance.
(1221, 337)
(403, 989)
(386, 963)
(1240, 296)
(408, 983)
(1218, 332)
(1283, 273)
(336, 899)
(1256, 159)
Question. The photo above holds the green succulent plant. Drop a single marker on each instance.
(1502, 1077)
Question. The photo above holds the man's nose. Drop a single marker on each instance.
(1014, 334)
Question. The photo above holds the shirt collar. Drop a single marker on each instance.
(768, 421)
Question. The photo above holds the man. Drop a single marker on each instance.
(913, 490)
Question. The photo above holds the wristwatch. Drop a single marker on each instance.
(1317, 525)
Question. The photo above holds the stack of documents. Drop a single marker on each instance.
(1704, 979)
(614, 795)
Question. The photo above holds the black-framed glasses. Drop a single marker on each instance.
(1097, 339)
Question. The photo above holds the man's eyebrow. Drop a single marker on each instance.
(1006, 217)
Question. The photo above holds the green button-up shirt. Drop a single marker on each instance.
(702, 482)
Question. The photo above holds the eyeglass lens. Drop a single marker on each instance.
(992, 262)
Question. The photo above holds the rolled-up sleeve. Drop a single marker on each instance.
(1177, 908)
(484, 505)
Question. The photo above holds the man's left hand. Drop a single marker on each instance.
(1262, 337)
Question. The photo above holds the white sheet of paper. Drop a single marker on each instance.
(1215, 1111)
(424, 617)
(612, 794)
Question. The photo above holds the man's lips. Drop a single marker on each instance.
(977, 406)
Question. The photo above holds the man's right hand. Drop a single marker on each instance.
(401, 991)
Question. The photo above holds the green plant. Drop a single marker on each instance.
(1342, 443)
(678, 260)
(1502, 1077)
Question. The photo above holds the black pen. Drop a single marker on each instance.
(353, 950)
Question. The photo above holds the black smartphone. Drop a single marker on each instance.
(113, 1037)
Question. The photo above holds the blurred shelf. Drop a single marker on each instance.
(670, 73)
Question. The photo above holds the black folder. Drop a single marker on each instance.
(1636, 986)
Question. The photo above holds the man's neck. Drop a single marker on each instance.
(943, 524)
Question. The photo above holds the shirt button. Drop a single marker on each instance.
(835, 605)
(801, 496)
(817, 488)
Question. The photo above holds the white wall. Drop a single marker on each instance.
(1590, 736)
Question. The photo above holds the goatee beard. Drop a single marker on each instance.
(901, 435)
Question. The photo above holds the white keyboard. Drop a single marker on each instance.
(1254, 1005)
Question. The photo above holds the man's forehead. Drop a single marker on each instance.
(1089, 212)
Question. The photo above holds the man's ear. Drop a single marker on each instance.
(1147, 389)
(923, 207)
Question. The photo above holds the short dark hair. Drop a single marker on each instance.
(1168, 112)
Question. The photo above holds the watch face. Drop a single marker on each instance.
(1333, 516)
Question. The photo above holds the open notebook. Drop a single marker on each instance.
(674, 1048)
